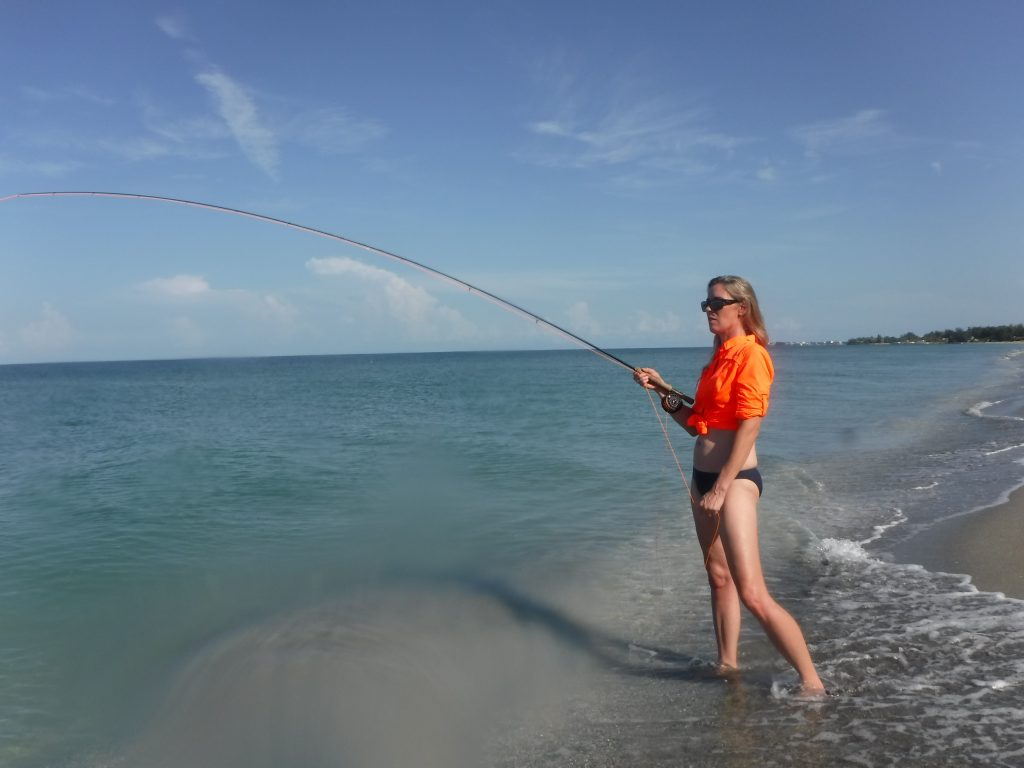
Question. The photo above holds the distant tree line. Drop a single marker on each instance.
(955, 336)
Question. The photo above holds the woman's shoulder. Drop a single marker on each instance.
(748, 347)
(756, 355)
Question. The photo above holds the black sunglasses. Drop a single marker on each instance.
(716, 304)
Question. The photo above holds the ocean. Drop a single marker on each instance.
(468, 559)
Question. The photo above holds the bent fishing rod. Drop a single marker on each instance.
(503, 303)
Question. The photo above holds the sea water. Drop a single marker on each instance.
(488, 559)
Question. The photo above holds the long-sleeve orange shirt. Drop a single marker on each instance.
(734, 386)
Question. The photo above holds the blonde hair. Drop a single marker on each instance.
(738, 288)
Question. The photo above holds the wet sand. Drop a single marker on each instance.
(988, 545)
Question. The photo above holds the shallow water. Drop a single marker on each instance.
(466, 559)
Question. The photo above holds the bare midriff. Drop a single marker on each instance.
(711, 451)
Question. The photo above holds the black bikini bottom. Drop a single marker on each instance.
(704, 481)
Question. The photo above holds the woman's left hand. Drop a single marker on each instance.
(648, 378)
(713, 501)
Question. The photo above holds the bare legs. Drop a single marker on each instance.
(735, 576)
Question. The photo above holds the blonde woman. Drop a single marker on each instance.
(731, 401)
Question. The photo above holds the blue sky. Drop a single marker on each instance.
(596, 163)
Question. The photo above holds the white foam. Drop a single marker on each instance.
(925, 487)
(978, 409)
(995, 685)
(1004, 450)
(843, 551)
(879, 530)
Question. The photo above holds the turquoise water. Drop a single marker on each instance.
(485, 558)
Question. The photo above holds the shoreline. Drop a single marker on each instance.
(986, 545)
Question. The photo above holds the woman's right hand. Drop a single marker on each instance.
(648, 378)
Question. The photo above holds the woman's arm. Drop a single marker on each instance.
(682, 416)
(648, 378)
(746, 436)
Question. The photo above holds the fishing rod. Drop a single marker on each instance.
(503, 303)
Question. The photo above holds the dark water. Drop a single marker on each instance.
(485, 559)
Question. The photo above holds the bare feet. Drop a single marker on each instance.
(807, 692)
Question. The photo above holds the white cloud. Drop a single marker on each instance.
(50, 331)
(177, 287)
(655, 134)
(181, 130)
(193, 288)
(646, 323)
(237, 116)
(767, 173)
(238, 109)
(549, 128)
(175, 26)
(936, 166)
(411, 305)
(865, 131)
(275, 307)
(581, 320)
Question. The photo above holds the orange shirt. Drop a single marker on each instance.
(734, 385)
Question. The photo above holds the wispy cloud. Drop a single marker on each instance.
(269, 305)
(66, 93)
(410, 304)
(181, 131)
(767, 172)
(195, 289)
(175, 26)
(654, 134)
(233, 102)
(647, 323)
(48, 168)
(238, 110)
(177, 287)
(581, 319)
(333, 130)
(238, 116)
(50, 331)
(863, 132)
(257, 131)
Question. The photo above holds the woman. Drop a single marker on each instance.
(731, 401)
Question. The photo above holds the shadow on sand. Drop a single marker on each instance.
(613, 653)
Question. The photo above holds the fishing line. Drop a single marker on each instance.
(503, 303)
(663, 421)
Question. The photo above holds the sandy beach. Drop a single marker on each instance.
(986, 544)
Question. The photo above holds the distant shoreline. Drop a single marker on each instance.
(897, 343)
(974, 334)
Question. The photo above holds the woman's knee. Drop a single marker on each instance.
(755, 598)
(719, 576)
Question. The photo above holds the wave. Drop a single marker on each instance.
(1004, 450)
(879, 530)
(980, 411)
